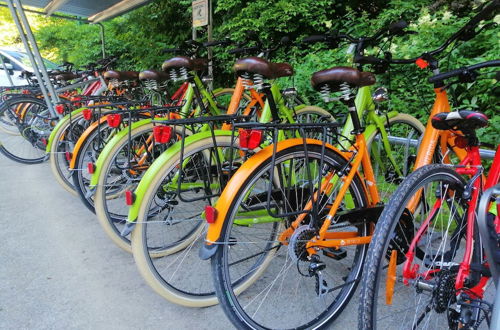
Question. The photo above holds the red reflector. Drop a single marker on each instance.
(87, 114)
(461, 142)
(162, 134)
(129, 197)
(250, 138)
(421, 63)
(68, 155)
(60, 108)
(90, 168)
(210, 214)
(114, 120)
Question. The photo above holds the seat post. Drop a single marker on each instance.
(358, 129)
(266, 89)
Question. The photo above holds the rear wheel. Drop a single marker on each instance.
(171, 227)
(122, 170)
(403, 133)
(262, 283)
(63, 142)
(29, 125)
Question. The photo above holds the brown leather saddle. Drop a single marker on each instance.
(153, 75)
(192, 64)
(121, 75)
(338, 75)
(67, 76)
(261, 66)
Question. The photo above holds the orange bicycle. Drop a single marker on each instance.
(309, 213)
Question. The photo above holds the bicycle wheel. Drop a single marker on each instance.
(403, 134)
(170, 225)
(33, 124)
(122, 168)
(89, 151)
(428, 300)
(62, 144)
(263, 284)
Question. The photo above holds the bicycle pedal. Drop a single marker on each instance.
(337, 254)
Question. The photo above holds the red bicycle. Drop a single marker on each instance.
(426, 266)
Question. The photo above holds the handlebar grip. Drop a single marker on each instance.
(243, 50)
(171, 50)
(458, 72)
(315, 38)
(397, 27)
(217, 43)
(368, 60)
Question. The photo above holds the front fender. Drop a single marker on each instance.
(238, 179)
(158, 165)
(94, 181)
(58, 126)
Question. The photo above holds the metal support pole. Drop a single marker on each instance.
(30, 55)
(6, 71)
(210, 51)
(34, 47)
(103, 40)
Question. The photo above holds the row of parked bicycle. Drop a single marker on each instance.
(293, 208)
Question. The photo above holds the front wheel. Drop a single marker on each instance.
(282, 288)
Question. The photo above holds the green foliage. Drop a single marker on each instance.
(139, 37)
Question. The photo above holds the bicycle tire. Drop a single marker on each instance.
(388, 236)
(186, 280)
(88, 153)
(405, 129)
(59, 164)
(112, 221)
(232, 300)
(33, 125)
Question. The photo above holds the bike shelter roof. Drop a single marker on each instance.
(94, 10)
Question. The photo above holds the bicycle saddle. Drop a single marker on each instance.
(196, 64)
(461, 120)
(153, 75)
(121, 75)
(66, 76)
(335, 76)
(261, 66)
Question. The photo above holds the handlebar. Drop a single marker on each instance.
(398, 28)
(463, 71)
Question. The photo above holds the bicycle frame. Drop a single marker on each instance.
(364, 104)
(470, 166)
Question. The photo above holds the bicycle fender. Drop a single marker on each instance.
(158, 165)
(237, 180)
(94, 181)
(83, 138)
(58, 126)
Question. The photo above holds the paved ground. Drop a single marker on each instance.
(58, 270)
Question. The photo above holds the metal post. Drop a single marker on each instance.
(210, 51)
(6, 71)
(103, 40)
(30, 55)
(38, 57)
